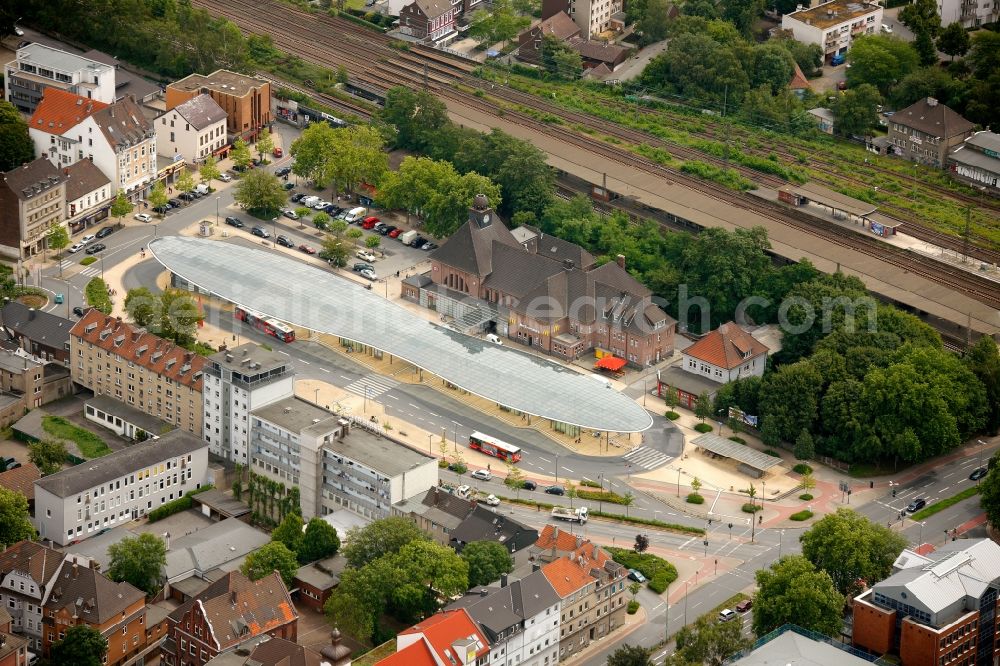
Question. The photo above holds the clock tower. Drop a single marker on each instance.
(480, 214)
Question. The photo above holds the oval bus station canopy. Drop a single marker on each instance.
(317, 300)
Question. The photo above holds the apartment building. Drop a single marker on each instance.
(970, 13)
(43, 335)
(38, 68)
(115, 358)
(336, 463)
(88, 195)
(927, 131)
(245, 99)
(13, 649)
(55, 128)
(32, 199)
(592, 588)
(230, 612)
(726, 354)
(447, 638)
(938, 608)
(82, 501)
(236, 382)
(593, 17)
(520, 619)
(81, 595)
(27, 571)
(834, 25)
(193, 130)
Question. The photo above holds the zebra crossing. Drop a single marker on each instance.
(88, 271)
(373, 385)
(647, 458)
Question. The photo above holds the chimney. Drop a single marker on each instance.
(620, 260)
(76, 569)
(484, 592)
(31, 313)
(232, 597)
(503, 580)
(568, 264)
(931, 102)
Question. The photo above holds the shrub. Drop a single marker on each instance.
(96, 292)
(703, 427)
(738, 440)
(633, 607)
(805, 497)
(695, 498)
(589, 484)
(772, 453)
(659, 572)
(802, 468)
(673, 416)
(88, 261)
(460, 468)
(180, 504)
(801, 515)
(599, 496)
(443, 464)
(750, 508)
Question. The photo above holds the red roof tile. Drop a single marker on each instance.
(141, 347)
(799, 80)
(414, 654)
(566, 576)
(561, 539)
(442, 629)
(728, 346)
(21, 480)
(60, 111)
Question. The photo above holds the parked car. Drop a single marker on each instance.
(636, 576)
(320, 205)
(887, 29)
(744, 606)
(386, 230)
(529, 485)
(332, 210)
(394, 233)
(288, 186)
(105, 232)
(76, 247)
(362, 266)
(308, 249)
(186, 196)
(429, 245)
(78, 311)
(234, 222)
(417, 241)
(727, 614)
(369, 222)
(463, 491)
(176, 203)
(978, 474)
(290, 214)
(89, 238)
(493, 500)
(284, 241)
(225, 177)
(379, 226)
(368, 274)
(260, 231)
(283, 171)
(916, 505)
(494, 338)
(255, 161)
(96, 247)
(482, 475)
(364, 254)
(277, 152)
(162, 210)
(297, 197)
(555, 490)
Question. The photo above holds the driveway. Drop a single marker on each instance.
(633, 67)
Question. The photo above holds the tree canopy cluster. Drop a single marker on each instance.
(315, 540)
(708, 642)
(171, 314)
(487, 560)
(793, 591)
(140, 561)
(16, 147)
(343, 157)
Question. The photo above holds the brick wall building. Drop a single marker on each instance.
(245, 99)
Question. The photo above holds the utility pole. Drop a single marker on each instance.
(965, 240)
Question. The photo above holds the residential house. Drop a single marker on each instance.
(977, 162)
(597, 53)
(969, 14)
(55, 127)
(82, 596)
(726, 354)
(245, 99)
(520, 619)
(927, 131)
(22, 480)
(123, 420)
(592, 16)
(267, 651)
(27, 573)
(38, 68)
(31, 381)
(32, 199)
(88, 195)
(228, 613)
(834, 25)
(430, 20)
(336, 462)
(541, 291)
(315, 582)
(237, 381)
(81, 501)
(13, 649)
(799, 84)
(193, 130)
(198, 559)
(935, 608)
(485, 524)
(447, 638)
(115, 358)
(43, 335)
(592, 588)
(554, 542)
(559, 25)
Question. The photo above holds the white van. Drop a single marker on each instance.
(494, 338)
(407, 237)
(354, 215)
(201, 188)
(309, 201)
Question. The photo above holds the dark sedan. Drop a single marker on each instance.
(234, 222)
(284, 241)
(555, 490)
(96, 247)
(978, 474)
(105, 232)
(916, 505)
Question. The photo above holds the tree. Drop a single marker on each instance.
(854, 551)
(921, 15)
(373, 242)
(808, 482)
(379, 538)
(265, 143)
(928, 82)
(804, 449)
(240, 154)
(487, 560)
(627, 500)
(856, 111)
(81, 646)
(56, 237)
(984, 56)
(983, 360)
(179, 316)
(15, 523)
(48, 455)
(142, 306)
(121, 207)
(989, 495)
(654, 22)
(414, 117)
(709, 643)
(514, 479)
(703, 406)
(158, 197)
(500, 24)
(695, 484)
(289, 532)
(641, 544)
(16, 147)
(344, 156)
(772, 66)
(630, 655)
(334, 251)
(925, 47)
(742, 13)
(808, 56)
(319, 542)
(321, 220)
(634, 588)
(791, 590)
(185, 181)
(354, 234)
(560, 59)
(789, 401)
(273, 556)
(261, 191)
(342, 76)
(209, 171)
(881, 61)
(139, 561)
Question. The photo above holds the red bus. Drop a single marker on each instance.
(492, 446)
(261, 322)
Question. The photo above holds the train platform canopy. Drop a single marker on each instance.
(727, 448)
(834, 200)
(317, 300)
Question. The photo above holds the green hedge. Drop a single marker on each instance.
(657, 570)
(673, 416)
(86, 261)
(930, 510)
(590, 484)
(180, 504)
(738, 440)
(599, 496)
(703, 427)
(96, 292)
(632, 608)
(805, 497)
(750, 508)
(801, 515)
(802, 468)
(695, 498)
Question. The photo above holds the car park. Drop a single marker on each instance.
(362, 266)
(225, 177)
(493, 500)
(260, 231)
(96, 247)
(76, 247)
(916, 505)
(482, 475)
(555, 490)
(744, 606)
(978, 473)
(284, 241)
(727, 614)
(105, 232)
(308, 249)
(529, 485)
(78, 311)
(364, 254)
(395, 233)
(143, 217)
(636, 576)
(290, 214)
(234, 222)
(368, 274)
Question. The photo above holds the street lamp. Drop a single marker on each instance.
(455, 433)
(920, 538)
(102, 267)
(217, 210)
(557, 468)
(430, 440)
(316, 400)
(781, 534)
(274, 226)
(678, 481)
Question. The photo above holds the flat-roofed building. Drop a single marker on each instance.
(245, 99)
(38, 67)
(834, 25)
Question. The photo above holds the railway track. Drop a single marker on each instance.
(371, 59)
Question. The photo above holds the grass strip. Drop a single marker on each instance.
(941, 505)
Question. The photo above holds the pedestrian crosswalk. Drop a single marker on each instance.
(371, 386)
(91, 271)
(88, 271)
(647, 458)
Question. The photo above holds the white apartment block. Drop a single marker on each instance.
(37, 67)
(83, 500)
(593, 16)
(27, 569)
(834, 25)
(238, 381)
(336, 464)
(193, 130)
(970, 13)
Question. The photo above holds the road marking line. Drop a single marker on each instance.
(284, 353)
(568, 470)
(324, 370)
(392, 397)
(545, 459)
(412, 405)
(305, 361)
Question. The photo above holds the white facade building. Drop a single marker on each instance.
(834, 25)
(38, 67)
(238, 381)
(193, 130)
(27, 570)
(81, 501)
(970, 13)
(726, 354)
